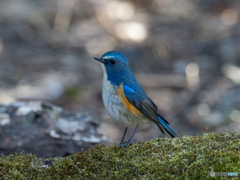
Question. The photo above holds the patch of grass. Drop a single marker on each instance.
(189, 157)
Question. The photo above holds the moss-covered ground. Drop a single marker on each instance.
(188, 157)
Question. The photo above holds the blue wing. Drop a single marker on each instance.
(137, 97)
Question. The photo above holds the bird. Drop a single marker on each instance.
(125, 100)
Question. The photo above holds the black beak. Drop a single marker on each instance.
(99, 59)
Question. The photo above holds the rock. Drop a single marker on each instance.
(45, 130)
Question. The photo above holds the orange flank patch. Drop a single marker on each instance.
(132, 109)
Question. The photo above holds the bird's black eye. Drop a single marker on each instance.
(113, 61)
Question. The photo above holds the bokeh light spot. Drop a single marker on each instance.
(235, 116)
(203, 109)
(192, 74)
(229, 17)
(121, 10)
(232, 72)
(131, 31)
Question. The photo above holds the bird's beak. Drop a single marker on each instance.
(99, 59)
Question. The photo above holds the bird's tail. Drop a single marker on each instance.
(166, 127)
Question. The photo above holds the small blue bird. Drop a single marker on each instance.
(124, 99)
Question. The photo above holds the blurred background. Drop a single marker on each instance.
(185, 54)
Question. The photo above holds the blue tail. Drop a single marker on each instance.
(166, 127)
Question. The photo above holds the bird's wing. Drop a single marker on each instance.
(137, 97)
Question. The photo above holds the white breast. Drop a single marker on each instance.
(110, 98)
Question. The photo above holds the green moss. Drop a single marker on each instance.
(189, 157)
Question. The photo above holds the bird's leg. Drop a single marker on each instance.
(130, 140)
(124, 134)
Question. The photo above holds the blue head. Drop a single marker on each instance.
(116, 66)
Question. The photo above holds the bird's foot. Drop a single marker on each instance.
(126, 144)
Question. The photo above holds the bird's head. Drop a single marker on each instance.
(113, 59)
(115, 65)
